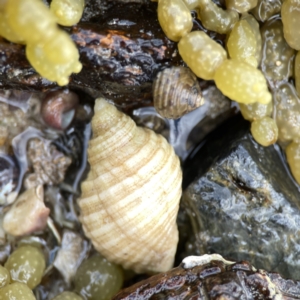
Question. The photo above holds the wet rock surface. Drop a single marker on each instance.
(120, 56)
(214, 280)
(186, 132)
(243, 203)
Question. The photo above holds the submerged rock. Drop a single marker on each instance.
(243, 203)
(211, 277)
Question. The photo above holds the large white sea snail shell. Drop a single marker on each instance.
(130, 199)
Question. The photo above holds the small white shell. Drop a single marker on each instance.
(176, 92)
(27, 214)
(131, 197)
(193, 261)
(71, 254)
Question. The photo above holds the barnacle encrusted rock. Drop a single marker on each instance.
(211, 277)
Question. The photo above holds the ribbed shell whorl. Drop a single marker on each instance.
(130, 199)
(176, 92)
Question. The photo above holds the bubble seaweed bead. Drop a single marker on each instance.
(293, 157)
(201, 53)
(67, 12)
(42, 61)
(256, 110)
(241, 82)
(30, 19)
(241, 43)
(2, 4)
(175, 18)
(287, 112)
(290, 15)
(241, 6)
(61, 49)
(297, 72)
(26, 264)
(67, 296)
(264, 131)
(191, 4)
(4, 277)
(98, 279)
(215, 18)
(16, 291)
(256, 31)
(277, 55)
(7, 32)
(265, 9)
(49, 50)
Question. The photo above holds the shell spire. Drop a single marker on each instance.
(176, 92)
(130, 199)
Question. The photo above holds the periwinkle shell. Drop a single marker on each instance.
(176, 92)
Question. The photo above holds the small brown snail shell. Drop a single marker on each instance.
(176, 92)
(59, 108)
(130, 199)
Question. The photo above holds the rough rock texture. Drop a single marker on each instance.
(120, 57)
(214, 280)
(243, 203)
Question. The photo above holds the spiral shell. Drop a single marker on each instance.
(176, 92)
(130, 199)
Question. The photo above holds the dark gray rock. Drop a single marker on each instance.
(243, 204)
